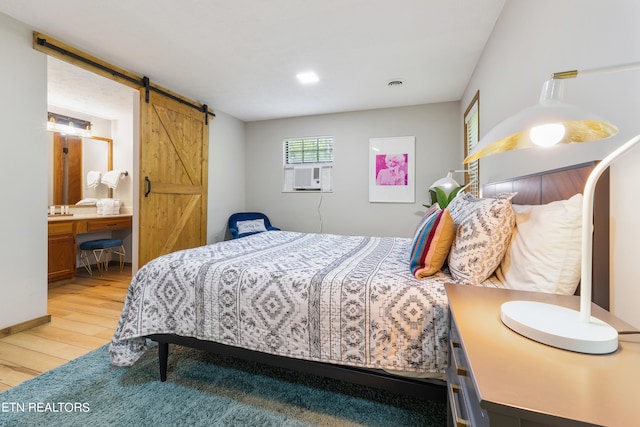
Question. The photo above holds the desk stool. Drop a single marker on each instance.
(102, 249)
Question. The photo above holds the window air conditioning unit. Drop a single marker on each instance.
(307, 178)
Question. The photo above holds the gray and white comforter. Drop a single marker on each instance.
(337, 299)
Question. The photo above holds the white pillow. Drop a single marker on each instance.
(251, 226)
(545, 250)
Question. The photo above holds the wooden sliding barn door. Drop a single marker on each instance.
(173, 177)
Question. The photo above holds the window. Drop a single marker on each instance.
(308, 150)
(307, 164)
(471, 136)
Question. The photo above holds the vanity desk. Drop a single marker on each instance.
(63, 230)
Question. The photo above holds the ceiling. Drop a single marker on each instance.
(76, 89)
(242, 56)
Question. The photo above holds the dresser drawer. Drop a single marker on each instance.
(61, 227)
(106, 224)
(463, 398)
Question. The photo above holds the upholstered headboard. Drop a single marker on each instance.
(559, 184)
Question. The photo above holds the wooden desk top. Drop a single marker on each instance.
(518, 377)
(83, 216)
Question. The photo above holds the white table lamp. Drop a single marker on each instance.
(550, 122)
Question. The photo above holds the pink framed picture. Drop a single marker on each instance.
(391, 169)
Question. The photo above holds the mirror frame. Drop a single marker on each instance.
(109, 142)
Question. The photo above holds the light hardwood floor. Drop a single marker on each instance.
(84, 315)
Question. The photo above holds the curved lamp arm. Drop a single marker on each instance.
(587, 225)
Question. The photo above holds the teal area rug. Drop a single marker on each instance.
(202, 390)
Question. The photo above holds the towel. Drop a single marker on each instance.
(93, 179)
(108, 206)
(111, 178)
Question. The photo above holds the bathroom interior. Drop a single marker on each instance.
(91, 136)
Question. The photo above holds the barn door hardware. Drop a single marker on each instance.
(53, 46)
(147, 86)
(146, 82)
(148, 182)
(205, 110)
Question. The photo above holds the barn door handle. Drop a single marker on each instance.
(148, 181)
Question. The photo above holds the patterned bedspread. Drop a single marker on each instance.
(337, 299)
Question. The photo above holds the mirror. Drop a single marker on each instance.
(71, 159)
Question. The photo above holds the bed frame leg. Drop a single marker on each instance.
(163, 357)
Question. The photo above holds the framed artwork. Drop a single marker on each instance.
(392, 169)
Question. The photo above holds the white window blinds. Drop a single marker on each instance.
(308, 150)
(471, 136)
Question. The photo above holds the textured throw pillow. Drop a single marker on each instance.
(251, 226)
(431, 242)
(545, 251)
(482, 236)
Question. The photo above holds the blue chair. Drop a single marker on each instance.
(248, 228)
(102, 249)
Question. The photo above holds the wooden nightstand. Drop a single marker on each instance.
(500, 378)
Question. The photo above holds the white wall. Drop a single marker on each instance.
(123, 153)
(531, 40)
(226, 173)
(23, 170)
(346, 210)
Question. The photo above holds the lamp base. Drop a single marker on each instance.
(559, 327)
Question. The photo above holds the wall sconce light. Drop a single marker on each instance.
(447, 183)
(68, 125)
(445, 189)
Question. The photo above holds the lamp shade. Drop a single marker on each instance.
(555, 121)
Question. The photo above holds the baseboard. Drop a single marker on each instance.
(61, 282)
(80, 270)
(25, 325)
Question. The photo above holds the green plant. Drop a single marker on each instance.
(438, 196)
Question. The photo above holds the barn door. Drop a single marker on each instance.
(173, 177)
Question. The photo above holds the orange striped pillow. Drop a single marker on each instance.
(431, 242)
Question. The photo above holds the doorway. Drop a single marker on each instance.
(112, 110)
(190, 229)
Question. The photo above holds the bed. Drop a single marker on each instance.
(343, 307)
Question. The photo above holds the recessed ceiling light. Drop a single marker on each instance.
(308, 78)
